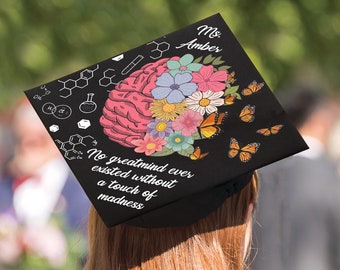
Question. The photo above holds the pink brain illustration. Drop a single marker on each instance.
(126, 112)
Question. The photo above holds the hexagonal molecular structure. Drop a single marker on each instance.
(163, 46)
(105, 81)
(84, 124)
(54, 128)
(66, 146)
(72, 154)
(160, 48)
(70, 84)
(87, 74)
(82, 82)
(72, 147)
(76, 139)
(109, 73)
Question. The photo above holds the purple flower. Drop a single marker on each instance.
(174, 88)
(159, 128)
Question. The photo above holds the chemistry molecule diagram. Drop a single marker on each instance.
(61, 111)
(46, 92)
(157, 52)
(82, 81)
(72, 147)
(160, 48)
(70, 84)
(107, 78)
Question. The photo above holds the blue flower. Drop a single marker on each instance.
(184, 64)
(174, 88)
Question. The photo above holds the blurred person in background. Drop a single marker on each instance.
(299, 216)
(47, 202)
(6, 147)
(9, 247)
(333, 146)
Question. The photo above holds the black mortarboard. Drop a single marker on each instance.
(162, 134)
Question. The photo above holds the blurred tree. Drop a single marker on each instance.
(43, 40)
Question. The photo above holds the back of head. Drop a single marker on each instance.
(313, 112)
(214, 242)
(300, 103)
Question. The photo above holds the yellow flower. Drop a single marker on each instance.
(167, 111)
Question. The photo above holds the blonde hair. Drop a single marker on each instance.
(214, 242)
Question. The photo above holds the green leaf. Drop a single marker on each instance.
(198, 60)
(187, 152)
(196, 136)
(208, 59)
(238, 96)
(165, 152)
(231, 90)
(224, 67)
(218, 61)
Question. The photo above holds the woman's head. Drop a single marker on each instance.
(217, 241)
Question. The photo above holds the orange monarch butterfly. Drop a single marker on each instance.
(229, 100)
(252, 88)
(245, 153)
(197, 154)
(247, 114)
(270, 130)
(230, 77)
(210, 126)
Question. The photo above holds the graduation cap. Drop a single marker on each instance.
(162, 134)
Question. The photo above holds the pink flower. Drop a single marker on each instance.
(149, 145)
(207, 79)
(187, 123)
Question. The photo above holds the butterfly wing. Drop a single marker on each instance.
(231, 77)
(251, 148)
(229, 100)
(245, 156)
(233, 148)
(197, 154)
(275, 129)
(207, 128)
(269, 131)
(248, 151)
(264, 131)
(209, 132)
(220, 118)
(209, 120)
(247, 114)
(252, 88)
(210, 125)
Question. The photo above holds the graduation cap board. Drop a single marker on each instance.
(161, 134)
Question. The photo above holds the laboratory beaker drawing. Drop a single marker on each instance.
(88, 106)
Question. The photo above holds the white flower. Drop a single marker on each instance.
(205, 102)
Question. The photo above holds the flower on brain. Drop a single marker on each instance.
(174, 88)
(205, 102)
(180, 92)
(183, 65)
(159, 128)
(178, 142)
(163, 110)
(207, 79)
(188, 122)
(148, 145)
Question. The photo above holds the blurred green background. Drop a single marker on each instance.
(288, 40)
